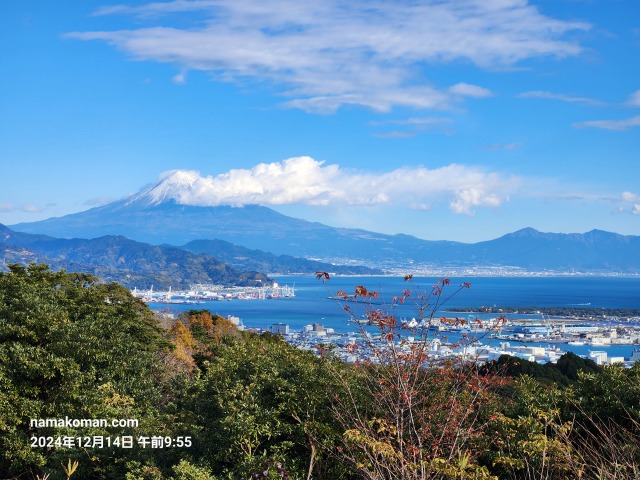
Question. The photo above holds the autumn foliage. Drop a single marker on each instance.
(255, 407)
(426, 416)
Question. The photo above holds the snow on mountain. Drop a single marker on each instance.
(164, 214)
(174, 185)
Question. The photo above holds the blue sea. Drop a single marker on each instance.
(312, 304)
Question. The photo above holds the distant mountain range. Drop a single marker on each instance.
(247, 259)
(118, 259)
(154, 216)
(137, 264)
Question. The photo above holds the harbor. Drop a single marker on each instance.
(527, 335)
(198, 294)
(366, 344)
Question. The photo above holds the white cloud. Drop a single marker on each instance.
(395, 134)
(421, 207)
(7, 207)
(325, 54)
(303, 180)
(29, 208)
(470, 197)
(501, 146)
(413, 126)
(420, 122)
(561, 97)
(180, 78)
(634, 99)
(156, 8)
(97, 201)
(618, 125)
(631, 203)
(466, 90)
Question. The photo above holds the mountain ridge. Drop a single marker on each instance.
(155, 216)
(119, 259)
(250, 259)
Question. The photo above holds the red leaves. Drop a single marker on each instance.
(444, 396)
(323, 276)
(400, 300)
(388, 321)
(454, 322)
(375, 317)
(438, 287)
(361, 291)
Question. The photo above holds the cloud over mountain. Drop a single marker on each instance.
(303, 180)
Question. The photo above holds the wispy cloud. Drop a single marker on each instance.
(418, 122)
(29, 208)
(180, 78)
(395, 134)
(631, 203)
(501, 146)
(327, 54)
(467, 90)
(634, 99)
(303, 180)
(413, 126)
(617, 125)
(97, 201)
(561, 97)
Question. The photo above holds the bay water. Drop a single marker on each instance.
(312, 302)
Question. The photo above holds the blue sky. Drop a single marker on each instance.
(448, 119)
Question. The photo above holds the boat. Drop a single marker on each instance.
(409, 325)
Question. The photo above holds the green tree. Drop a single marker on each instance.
(71, 347)
(262, 406)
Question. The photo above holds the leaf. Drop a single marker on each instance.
(360, 290)
(323, 275)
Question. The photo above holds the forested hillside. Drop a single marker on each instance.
(215, 403)
(118, 259)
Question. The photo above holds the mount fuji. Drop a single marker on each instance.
(156, 215)
(159, 215)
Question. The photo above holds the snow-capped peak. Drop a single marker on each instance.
(170, 187)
